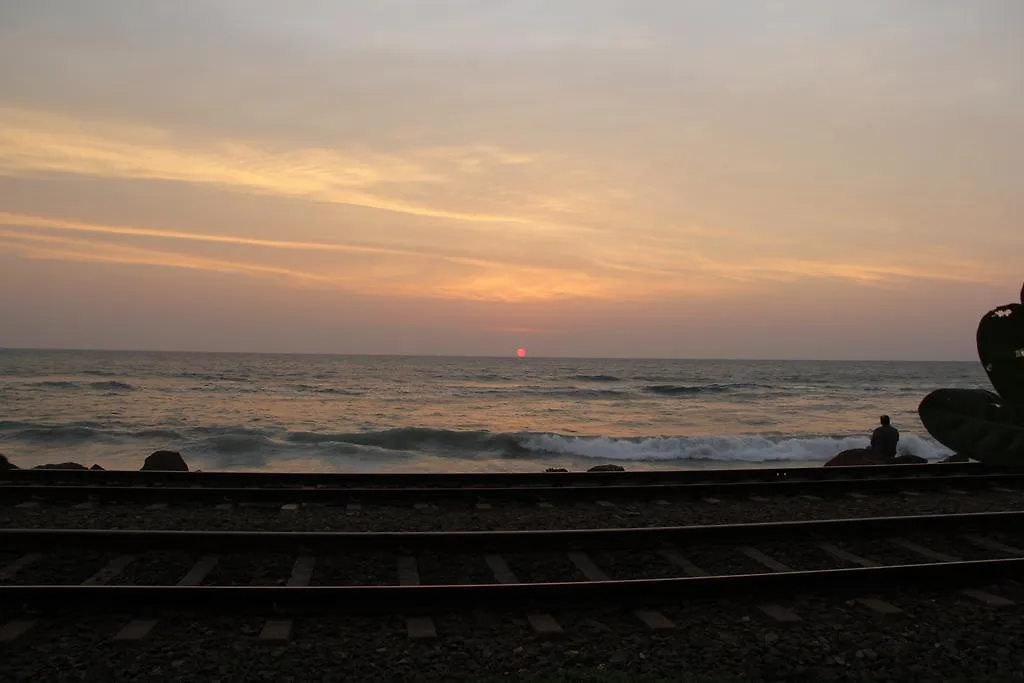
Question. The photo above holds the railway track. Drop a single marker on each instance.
(653, 572)
(613, 486)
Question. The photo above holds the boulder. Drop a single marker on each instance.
(607, 468)
(96, 467)
(167, 461)
(957, 457)
(857, 456)
(6, 464)
(556, 469)
(908, 459)
(60, 466)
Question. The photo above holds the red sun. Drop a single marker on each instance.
(521, 352)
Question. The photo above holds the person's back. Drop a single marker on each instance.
(885, 438)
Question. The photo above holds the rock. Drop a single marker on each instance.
(607, 468)
(60, 466)
(167, 461)
(857, 456)
(908, 459)
(556, 469)
(95, 467)
(957, 457)
(6, 464)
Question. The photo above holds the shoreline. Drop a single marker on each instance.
(426, 465)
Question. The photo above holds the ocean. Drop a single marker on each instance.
(393, 414)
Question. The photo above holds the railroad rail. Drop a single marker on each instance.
(887, 483)
(359, 480)
(851, 557)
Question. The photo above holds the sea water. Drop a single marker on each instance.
(376, 413)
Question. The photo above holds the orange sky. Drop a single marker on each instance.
(638, 178)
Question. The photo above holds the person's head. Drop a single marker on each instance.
(884, 420)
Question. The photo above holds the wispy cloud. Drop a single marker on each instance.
(395, 272)
(22, 220)
(39, 142)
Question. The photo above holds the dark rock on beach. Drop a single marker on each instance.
(167, 461)
(865, 456)
(6, 464)
(857, 456)
(607, 468)
(957, 457)
(556, 469)
(60, 466)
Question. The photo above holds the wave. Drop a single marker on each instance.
(309, 388)
(691, 390)
(112, 385)
(169, 434)
(236, 443)
(419, 439)
(59, 434)
(569, 393)
(212, 377)
(229, 430)
(751, 449)
(109, 385)
(249, 445)
(595, 378)
(56, 384)
(14, 425)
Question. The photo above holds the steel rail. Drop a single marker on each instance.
(520, 596)
(886, 484)
(132, 540)
(484, 479)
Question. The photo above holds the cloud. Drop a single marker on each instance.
(506, 225)
(39, 142)
(416, 275)
(25, 221)
(394, 272)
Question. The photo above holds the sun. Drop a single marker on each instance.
(521, 352)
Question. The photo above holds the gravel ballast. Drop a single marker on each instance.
(938, 636)
(505, 516)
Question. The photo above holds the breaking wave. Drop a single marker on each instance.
(249, 447)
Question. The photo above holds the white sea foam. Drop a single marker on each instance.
(717, 448)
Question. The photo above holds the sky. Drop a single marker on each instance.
(644, 178)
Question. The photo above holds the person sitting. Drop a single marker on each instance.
(885, 438)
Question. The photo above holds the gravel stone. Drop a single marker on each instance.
(939, 636)
(502, 515)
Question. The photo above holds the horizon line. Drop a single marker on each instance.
(511, 356)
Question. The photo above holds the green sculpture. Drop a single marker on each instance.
(981, 424)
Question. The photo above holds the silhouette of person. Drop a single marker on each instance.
(885, 438)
